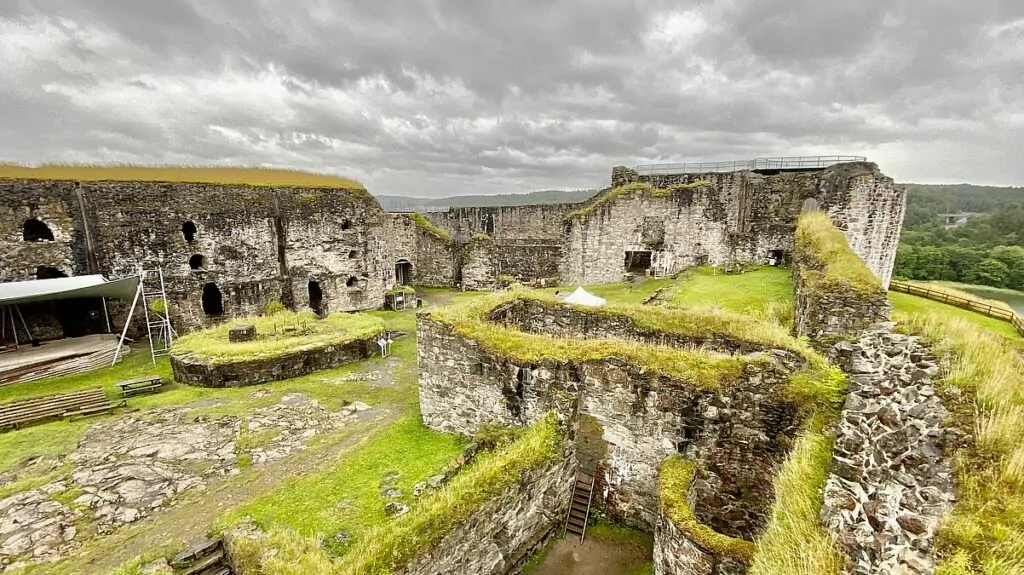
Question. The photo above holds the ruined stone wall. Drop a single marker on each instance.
(739, 216)
(479, 264)
(528, 240)
(432, 259)
(255, 244)
(736, 434)
(830, 307)
(503, 532)
(676, 553)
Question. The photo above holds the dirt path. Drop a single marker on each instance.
(194, 516)
(593, 557)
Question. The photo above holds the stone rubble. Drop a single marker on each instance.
(889, 483)
(127, 468)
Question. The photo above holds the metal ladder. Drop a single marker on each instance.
(158, 321)
(579, 505)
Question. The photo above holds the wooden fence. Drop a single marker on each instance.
(974, 305)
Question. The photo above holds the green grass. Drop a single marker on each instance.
(750, 293)
(391, 544)
(674, 481)
(272, 338)
(913, 305)
(310, 505)
(431, 228)
(794, 543)
(209, 175)
(819, 383)
(823, 243)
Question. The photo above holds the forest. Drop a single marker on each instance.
(989, 250)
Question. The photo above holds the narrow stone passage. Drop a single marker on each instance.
(890, 483)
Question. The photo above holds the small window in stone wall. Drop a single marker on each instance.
(524, 375)
(213, 301)
(346, 224)
(476, 369)
(810, 205)
(49, 273)
(352, 255)
(352, 281)
(36, 231)
(197, 262)
(188, 231)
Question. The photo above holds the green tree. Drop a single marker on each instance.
(1013, 258)
(993, 272)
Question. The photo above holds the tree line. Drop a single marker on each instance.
(989, 250)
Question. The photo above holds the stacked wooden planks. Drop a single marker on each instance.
(90, 401)
(66, 365)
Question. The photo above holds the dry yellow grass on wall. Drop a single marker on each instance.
(208, 174)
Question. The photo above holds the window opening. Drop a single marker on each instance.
(188, 231)
(36, 231)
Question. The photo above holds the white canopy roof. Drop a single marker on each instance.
(583, 297)
(67, 288)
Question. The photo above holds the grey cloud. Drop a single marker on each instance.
(456, 96)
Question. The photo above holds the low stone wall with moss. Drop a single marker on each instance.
(202, 372)
(683, 545)
(837, 296)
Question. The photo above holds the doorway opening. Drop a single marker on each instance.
(213, 301)
(638, 261)
(403, 272)
(316, 296)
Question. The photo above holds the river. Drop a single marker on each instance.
(1015, 299)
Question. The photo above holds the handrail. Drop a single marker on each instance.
(777, 163)
(974, 305)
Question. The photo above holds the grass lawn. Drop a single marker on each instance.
(278, 334)
(743, 293)
(909, 304)
(347, 496)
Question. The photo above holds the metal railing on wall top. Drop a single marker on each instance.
(778, 163)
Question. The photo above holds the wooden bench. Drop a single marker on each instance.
(90, 401)
(139, 385)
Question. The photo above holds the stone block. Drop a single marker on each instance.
(242, 333)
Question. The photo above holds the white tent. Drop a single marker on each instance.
(583, 297)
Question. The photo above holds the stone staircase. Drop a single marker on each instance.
(579, 507)
(203, 557)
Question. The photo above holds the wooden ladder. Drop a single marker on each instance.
(579, 506)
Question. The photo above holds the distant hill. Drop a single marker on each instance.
(925, 202)
(408, 204)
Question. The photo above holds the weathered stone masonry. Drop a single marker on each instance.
(254, 244)
(734, 434)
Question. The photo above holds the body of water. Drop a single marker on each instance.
(1015, 299)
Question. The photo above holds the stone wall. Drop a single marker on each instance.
(828, 305)
(255, 244)
(736, 434)
(737, 216)
(432, 258)
(479, 269)
(890, 481)
(676, 553)
(503, 532)
(191, 370)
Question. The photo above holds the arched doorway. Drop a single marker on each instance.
(213, 301)
(403, 272)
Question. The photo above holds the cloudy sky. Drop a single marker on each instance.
(439, 97)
